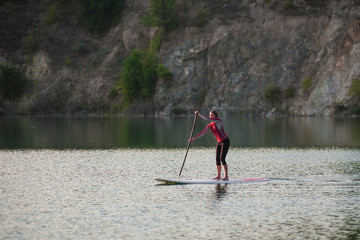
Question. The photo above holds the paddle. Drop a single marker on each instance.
(188, 146)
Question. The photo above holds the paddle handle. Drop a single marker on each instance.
(188, 146)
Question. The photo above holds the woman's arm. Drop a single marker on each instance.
(216, 120)
(200, 134)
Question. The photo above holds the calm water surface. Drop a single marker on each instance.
(92, 178)
(148, 132)
(111, 194)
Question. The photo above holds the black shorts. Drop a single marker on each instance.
(221, 151)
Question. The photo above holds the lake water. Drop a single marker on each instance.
(148, 132)
(94, 179)
(111, 194)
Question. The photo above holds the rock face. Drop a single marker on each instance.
(228, 65)
(227, 61)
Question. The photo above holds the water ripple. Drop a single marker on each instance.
(111, 194)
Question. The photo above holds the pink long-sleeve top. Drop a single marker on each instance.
(216, 127)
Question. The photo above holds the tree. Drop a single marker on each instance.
(138, 78)
(140, 73)
(273, 94)
(99, 15)
(131, 77)
(148, 81)
(13, 83)
(162, 14)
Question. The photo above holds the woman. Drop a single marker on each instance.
(216, 127)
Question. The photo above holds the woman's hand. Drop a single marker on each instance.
(191, 140)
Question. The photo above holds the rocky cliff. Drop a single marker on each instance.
(307, 50)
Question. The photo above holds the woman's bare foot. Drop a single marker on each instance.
(217, 178)
(225, 179)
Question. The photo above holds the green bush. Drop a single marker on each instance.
(162, 14)
(148, 81)
(100, 15)
(355, 111)
(13, 83)
(156, 41)
(273, 94)
(289, 92)
(131, 76)
(178, 111)
(201, 17)
(162, 72)
(51, 16)
(355, 87)
(28, 42)
(140, 72)
(68, 62)
(307, 84)
(112, 94)
(139, 75)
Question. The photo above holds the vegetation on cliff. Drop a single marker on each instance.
(100, 15)
(13, 82)
(163, 57)
(162, 14)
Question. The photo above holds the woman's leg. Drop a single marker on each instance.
(218, 169)
(218, 161)
(226, 173)
(224, 151)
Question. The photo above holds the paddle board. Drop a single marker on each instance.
(172, 181)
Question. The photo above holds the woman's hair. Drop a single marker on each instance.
(215, 113)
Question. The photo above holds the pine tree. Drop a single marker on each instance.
(162, 13)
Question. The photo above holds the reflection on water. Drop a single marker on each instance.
(220, 191)
(123, 132)
(111, 194)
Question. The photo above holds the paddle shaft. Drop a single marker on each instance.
(188, 146)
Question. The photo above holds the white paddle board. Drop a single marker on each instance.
(172, 181)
